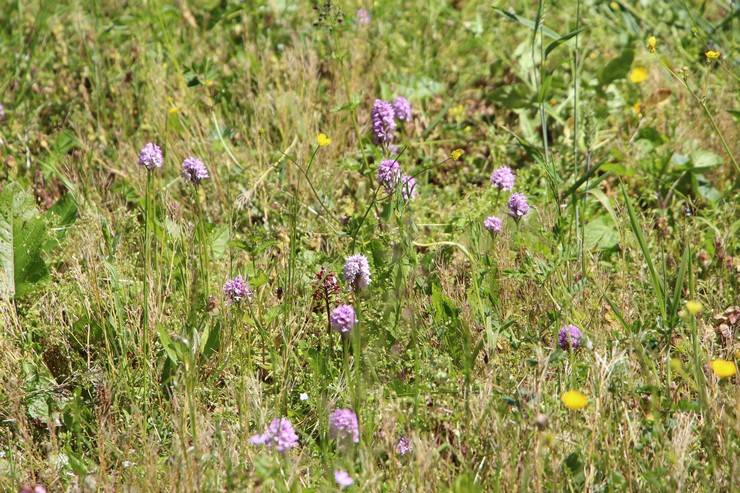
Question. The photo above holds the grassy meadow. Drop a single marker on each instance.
(184, 317)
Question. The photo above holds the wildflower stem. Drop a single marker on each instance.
(147, 261)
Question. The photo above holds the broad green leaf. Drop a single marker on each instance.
(702, 160)
(617, 68)
(600, 233)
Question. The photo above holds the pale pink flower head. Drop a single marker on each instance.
(280, 435)
(343, 425)
(343, 479)
(503, 178)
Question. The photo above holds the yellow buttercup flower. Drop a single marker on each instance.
(574, 400)
(637, 108)
(693, 307)
(638, 75)
(652, 44)
(457, 154)
(712, 54)
(723, 368)
(323, 140)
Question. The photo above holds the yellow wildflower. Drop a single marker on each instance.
(638, 75)
(712, 54)
(652, 44)
(637, 108)
(457, 154)
(723, 368)
(457, 113)
(323, 140)
(693, 307)
(574, 400)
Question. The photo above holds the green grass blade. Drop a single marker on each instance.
(658, 288)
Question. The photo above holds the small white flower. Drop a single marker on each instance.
(303, 396)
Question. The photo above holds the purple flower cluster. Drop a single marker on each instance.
(493, 224)
(343, 425)
(569, 337)
(408, 187)
(357, 272)
(343, 478)
(150, 156)
(37, 488)
(402, 109)
(363, 17)
(383, 117)
(237, 289)
(383, 121)
(389, 171)
(518, 206)
(279, 435)
(403, 446)
(503, 178)
(194, 170)
(343, 318)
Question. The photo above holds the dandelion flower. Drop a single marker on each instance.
(236, 289)
(723, 368)
(652, 44)
(194, 170)
(402, 109)
(503, 178)
(343, 425)
(343, 319)
(323, 140)
(343, 479)
(712, 54)
(493, 224)
(383, 119)
(569, 337)
(638, 75)
(279, 435)
(357, 272)
(150, 156)
(457, 154)
(694, 307)
(574, 400)
(518, 206)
